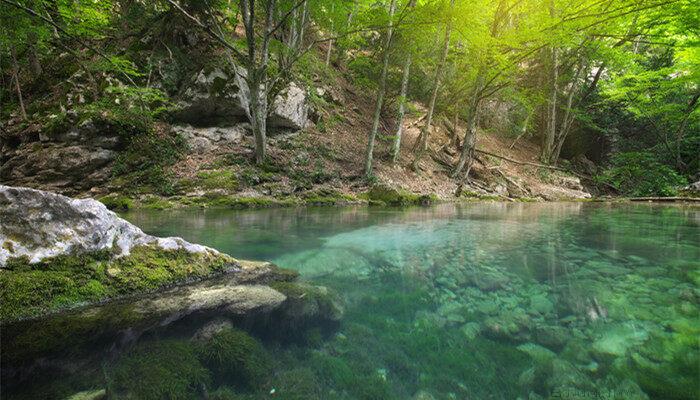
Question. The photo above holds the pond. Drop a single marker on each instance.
(474, 301)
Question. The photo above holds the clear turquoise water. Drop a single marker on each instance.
(478, 301)
(499, 301)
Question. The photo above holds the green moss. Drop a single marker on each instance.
(328, 197)
(67, 331)
(392, 196)
(218, 179)
(117, 202)
(284, 274)
(156, 203)
(298, 384)
(66, 281)
(167, 369)
(237, 202)
(224, 393)
(306, 304)
(233, 355)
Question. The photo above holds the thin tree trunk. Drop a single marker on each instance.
(523, 129)
(330, 42)
(548, 143)
(328, 52)
(402, 109)
(380, 95)
(302, 24)
(396, 148)
(680, 132)
(33, 57)
(425, 132)
(15, 76)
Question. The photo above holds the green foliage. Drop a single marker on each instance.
(640, 174)
(167, 369)
(364, 72)
(234, 356)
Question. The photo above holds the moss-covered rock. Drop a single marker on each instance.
(167, 369)
(117, 202)
(306, 313)
(66, 281)
(381, 194)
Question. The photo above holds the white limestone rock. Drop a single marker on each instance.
(290, 109)
(40, 224)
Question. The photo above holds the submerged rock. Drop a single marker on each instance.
(615, 340)
(37, 224)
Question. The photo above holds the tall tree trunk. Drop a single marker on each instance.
(32, 54)
(256, 69)
(258, 112)
(396, 148)
(15, 76)
(302, 23)
(425, 132)
(568, 118)
(466, 156)
(380, 94)
(551, 128)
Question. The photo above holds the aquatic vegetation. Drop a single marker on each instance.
(167, 369)
(234, 356)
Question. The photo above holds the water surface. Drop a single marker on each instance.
(499, 301)
(478, 301)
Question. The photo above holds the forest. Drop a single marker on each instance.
(608, 89)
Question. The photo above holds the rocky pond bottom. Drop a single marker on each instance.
(481, 301)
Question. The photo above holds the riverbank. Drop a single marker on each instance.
(120, 203)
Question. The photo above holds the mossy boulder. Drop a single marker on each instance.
(117, 202)
(382, 194)
(73, 280)
(168, 369)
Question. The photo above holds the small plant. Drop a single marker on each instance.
(641, 174)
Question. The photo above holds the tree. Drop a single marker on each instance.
(262, 21)
(381, 91)
(425, 132)
(405, 76)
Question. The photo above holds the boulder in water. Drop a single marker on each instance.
(37, 224)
